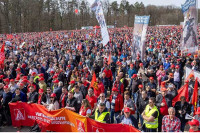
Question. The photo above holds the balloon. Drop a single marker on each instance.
(76, 11)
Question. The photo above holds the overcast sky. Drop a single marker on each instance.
(177, 3)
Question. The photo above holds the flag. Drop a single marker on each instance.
(93, 82)
(139, 35)
(183, 91)
(109, 59)
(2, 56)
(97, 8)
(195, 95)
(189, 36)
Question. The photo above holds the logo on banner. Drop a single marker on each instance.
(19, 114)
(96, 129)
(80, 126)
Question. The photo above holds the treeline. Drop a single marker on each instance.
(43, 15)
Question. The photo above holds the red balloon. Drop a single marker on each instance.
(76, 11)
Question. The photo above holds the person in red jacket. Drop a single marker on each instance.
(119, 85)
(108, 73)
(117, 104)
(100, 89)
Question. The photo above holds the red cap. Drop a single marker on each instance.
(189, 54)
(162, 84)
(25, 80)
(131, 65)
(193, 122)
(6, 80)
(151, 78)
(33, 73)
(127, 109)
(69, 66)
(17, 78)
(166, 58)
(12, 80)
(53, 95)
(41, 79)
(141, 64)
(25, 77)
(5, 87)
(1, 76)
(178, 59)
(41, 90)
(55, 76)
(21, 84)
(114, 89)
(198, 111)
(24, 65)
(171, 74)
(195, 55)
(80, 63)
(163, 89)
(140, 86)
(172, 66)
(72, 82)
(134, 76)
(51, 72)
(192, 75)
(177, 67)
(41, 75)
(18, 69)
(56, 81)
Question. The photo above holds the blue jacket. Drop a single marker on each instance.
(131, 72)
(23, 96)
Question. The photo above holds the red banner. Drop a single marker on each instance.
(61, 120)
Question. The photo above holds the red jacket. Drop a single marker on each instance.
(119, 103)
(100, 89)
(119, 86)
(108, 74)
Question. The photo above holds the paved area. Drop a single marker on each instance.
(12, 129)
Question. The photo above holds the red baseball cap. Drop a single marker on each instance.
(1, 76)
(140, 86)
(72, 82)
(12, 80)
(5, 87)
(131, 65)
(55, 76)
(134, 76)
(6, 80)
(177, 67)
(193, 122)
(56, 81)
(172, 66)
(53, 95)
(114, 89)
(178, 59)
(41, 79)
(33, 73)
(127, 109)
(41, 90)
(151, 78)
(141, 64)
(51, 72)
(21, 84)
(18, 69)
(69, 66)
(25, 77)
(41, 75)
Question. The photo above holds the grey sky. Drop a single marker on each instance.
(177, 3)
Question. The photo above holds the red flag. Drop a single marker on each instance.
(2, 56)
(183, 91)
(109, 59)
(195, 95)
(93, 82)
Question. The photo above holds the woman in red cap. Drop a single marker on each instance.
(194, 125)
(54, 105)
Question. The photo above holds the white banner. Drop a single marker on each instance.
(139, 35)
(189, 70)
(189, 37)
(97, 8)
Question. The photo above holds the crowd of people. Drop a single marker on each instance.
(55, 69)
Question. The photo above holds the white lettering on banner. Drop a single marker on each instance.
(50, 120)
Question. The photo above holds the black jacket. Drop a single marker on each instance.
(142, 103)
(186, 107)
(33, 97)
